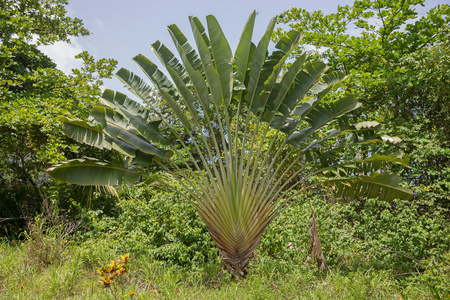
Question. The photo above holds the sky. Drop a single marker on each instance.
(122, 29)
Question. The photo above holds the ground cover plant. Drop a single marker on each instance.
(241, 135)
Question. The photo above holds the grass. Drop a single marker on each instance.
(48, 264)
(74, 276)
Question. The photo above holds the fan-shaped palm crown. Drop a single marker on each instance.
(243, 133)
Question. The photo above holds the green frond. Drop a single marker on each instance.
(242, 133)
(91, 171)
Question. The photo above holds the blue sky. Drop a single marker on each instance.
(122, 29)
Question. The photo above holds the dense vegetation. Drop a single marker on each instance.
(243, 138)
(34, 96)
(374, 248)
(397, 65)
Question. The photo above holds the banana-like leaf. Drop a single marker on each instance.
(159, 80)
(132, 139)
(135, 84)
(178, 75)
(276, 62)
(93, 172)
(195, 22)
(135, 114)
(366, 128)
(212, 75)
(111, 137)
(167, 58)
(201, 88)
(105, 115)
(242, 54)
(223, 57)
(256, 69)
(193, 66)
(304, 80)
(322, 115)
(375, 163)
(381, 185)
(84, 132)
(277, 59)
(274, 103)
(189, 99)
(292, 107)
(184, 48)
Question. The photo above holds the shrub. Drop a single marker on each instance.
(158, 223)
(400, 236)
(355, 234)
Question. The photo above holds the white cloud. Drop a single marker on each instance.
(63, 54)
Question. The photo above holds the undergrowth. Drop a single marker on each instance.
(374, 249)
(268, 278)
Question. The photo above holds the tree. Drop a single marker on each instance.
(245, 120)
(35, 95)
(397, 63)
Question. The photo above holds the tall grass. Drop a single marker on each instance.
(75, 278)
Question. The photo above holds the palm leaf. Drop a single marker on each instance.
(256, 69)
(242, 55)
(84, 132)
(167, 58)
(93, 172)
(384, 186)
(184, 48)
(322, 115)
(134, 115)
(212, 75)
(223, 57)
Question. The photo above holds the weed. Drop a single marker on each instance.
(47, 238)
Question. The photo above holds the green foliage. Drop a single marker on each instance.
(287, 273)
(369, 36)
(156, 223)
(33, 103)
(397, 64)
(47, 238)
(423, 114)
(34, 96)
(375, 250)
(399, 236)
(437, 274)
(47, 20)
(398, 67)
(235, 120)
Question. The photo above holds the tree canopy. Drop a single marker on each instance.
(35, 94)
(397, 65)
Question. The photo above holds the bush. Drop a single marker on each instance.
(363, 233)
(159, 223)
(355, 234)
(395, 235)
